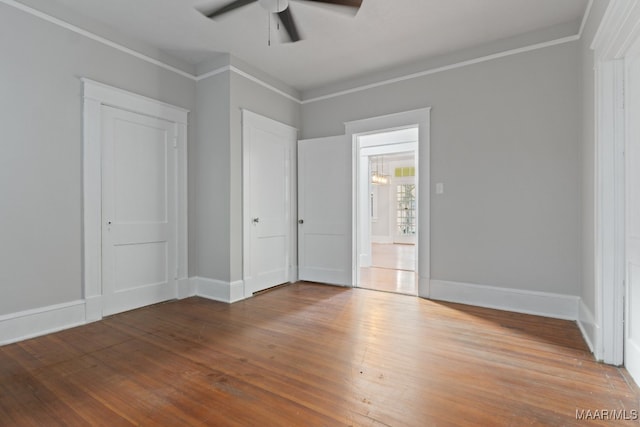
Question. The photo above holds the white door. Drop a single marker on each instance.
(324, 210)
(632, 309)
(268, 151)
(138, 210)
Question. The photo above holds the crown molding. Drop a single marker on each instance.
(94, 37)
(585, 18)
(231, 68)
(447, 67)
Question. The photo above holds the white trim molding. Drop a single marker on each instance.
(255, 79)
(217, 290)
(616, 34)
(94, 37)
(119, 98)
(33, 323)
(588, 326)
(453, 66)
(187, 287)
(95, 96)
(520, 301)
(406, 119)
(41, 321)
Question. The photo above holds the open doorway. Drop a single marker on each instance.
(388, 211)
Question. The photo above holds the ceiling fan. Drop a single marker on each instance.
(280, 8)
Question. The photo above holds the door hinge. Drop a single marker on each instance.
(175, 142)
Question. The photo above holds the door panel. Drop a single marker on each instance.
(268, 147)
(324, 207)
(138, 210)
(632, 167)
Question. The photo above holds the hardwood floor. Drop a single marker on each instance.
(392, 269)
(393, 256)
(311, 355)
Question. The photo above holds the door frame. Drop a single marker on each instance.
(617, 34)
(292, 272)
(422, 119)
(364, 219)
(95, 95)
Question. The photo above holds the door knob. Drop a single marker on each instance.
(301, 221)
(256, 220)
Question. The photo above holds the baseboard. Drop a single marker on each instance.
(218, 290)
(530, 302)
(41, 321)
(186, 288)
(27, 324)
(93, 308)
(424, 286)
(236, 291)
(589, 328)
(293, 273)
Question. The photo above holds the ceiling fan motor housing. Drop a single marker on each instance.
(274, 6)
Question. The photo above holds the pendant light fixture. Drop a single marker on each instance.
(378, 177)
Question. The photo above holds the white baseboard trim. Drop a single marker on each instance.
(41, 321)
(293, 273)
(93, 308)
(218, 290)
(186, 288)
(530, 302)
(236, 291)
(590, 329)
(27, 324)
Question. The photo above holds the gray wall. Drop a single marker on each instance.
(505, 143)
(588, 156)
(210, 191)
(217, 181)
(40, 165)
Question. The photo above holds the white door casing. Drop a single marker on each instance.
(138, 210)
(97, 96)
(324, 210)
(632, 222)
(615, 39)
(420, 118)
(365, 221)
(268, 150)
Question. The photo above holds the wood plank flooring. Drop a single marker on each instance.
(392, 269)
(311, 355)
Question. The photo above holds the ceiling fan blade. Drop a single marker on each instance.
(350, 3)
(289, 24)
(227, 8)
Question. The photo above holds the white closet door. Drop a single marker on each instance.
(138, 210)
(268, 149)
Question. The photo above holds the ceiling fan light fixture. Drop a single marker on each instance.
(274, 6)
(279, 8)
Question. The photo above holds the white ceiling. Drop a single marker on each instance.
(336, 46)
